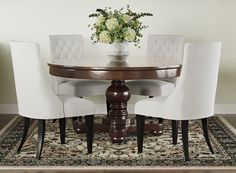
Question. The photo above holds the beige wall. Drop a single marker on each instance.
(34, 20)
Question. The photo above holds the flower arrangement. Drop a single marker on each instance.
(121, 25)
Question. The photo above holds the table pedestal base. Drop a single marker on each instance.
(117, 123)
(117, 95)
(155, 129)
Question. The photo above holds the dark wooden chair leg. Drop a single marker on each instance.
(25, 132)
(62, 125)
(41, 134)
(174, 125)
(184, 126)
(108, 106)
(160, 120)
(89, 121)
(74, 119)
(205, 132)
(140, 120)
(80, 118)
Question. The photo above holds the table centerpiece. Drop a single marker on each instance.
(117, 28)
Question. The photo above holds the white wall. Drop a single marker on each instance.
(34, 20)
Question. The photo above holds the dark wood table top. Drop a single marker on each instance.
(104, 69)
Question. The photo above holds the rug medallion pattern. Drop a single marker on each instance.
(157, 151)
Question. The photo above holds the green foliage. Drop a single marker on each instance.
(117, 25)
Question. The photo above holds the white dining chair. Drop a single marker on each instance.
(193, 97)
(166, 49)
(71, 47)
(37, 101)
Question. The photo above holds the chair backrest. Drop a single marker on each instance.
(194, 95)
(166, 48)
(66, 46)
(34, 96)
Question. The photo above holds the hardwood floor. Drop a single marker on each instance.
(231, 119)
(5, 119)
(122, 171)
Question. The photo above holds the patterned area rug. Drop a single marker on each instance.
(158, 151)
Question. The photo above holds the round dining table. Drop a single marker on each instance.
(117, 121)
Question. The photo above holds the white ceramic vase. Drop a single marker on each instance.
(118, 51)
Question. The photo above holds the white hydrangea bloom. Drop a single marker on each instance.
(130, 34)
(112, 24)
(104, 37)
(100, 20)
(126, 18)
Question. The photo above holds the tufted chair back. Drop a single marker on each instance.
(167, 48)
(66, 46)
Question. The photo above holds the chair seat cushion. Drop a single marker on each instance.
(150, 87)
(81, 88)
(154, 108)
(74, 106)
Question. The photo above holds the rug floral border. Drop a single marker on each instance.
(217, 128)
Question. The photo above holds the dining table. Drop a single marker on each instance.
(117, 122)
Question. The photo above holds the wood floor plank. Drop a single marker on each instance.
(5, 119)
(121, 171)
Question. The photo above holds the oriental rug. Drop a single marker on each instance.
(158, 151)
